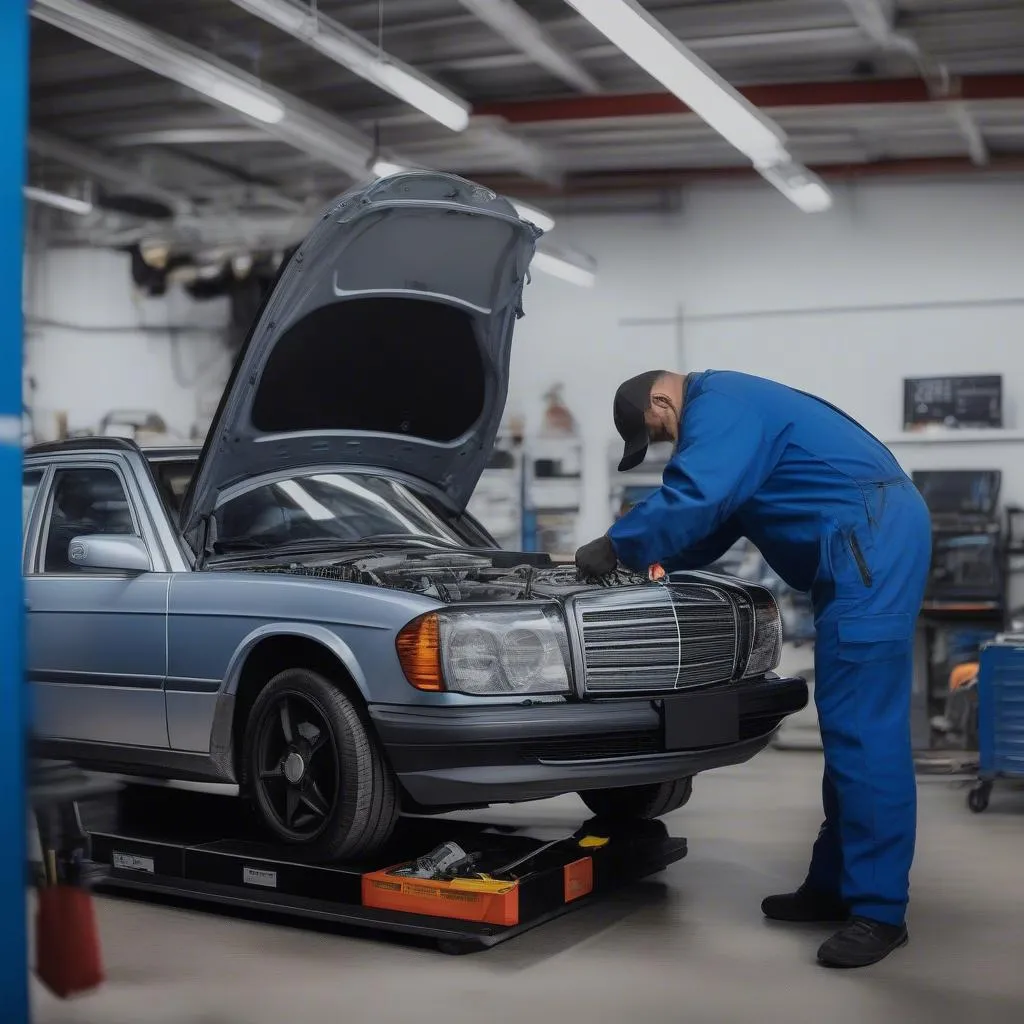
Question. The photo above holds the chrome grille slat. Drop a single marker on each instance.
(630, 643)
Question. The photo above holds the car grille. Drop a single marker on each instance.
(654, 639)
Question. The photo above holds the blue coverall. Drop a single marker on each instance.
(832, 512)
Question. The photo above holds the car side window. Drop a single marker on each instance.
(85, 502)
(30, 481)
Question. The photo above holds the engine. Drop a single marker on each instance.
(457, 576)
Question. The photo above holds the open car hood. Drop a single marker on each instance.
(385, 342)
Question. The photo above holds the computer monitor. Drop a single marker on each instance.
(973, 492)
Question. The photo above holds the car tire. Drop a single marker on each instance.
(632, 802)
(314, 773)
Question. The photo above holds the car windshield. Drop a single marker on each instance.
(347, 508)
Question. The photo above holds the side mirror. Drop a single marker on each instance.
(117, 552)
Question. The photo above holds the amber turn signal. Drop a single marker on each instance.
(419, 653)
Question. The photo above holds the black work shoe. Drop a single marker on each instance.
(806, 906)
(862, 942)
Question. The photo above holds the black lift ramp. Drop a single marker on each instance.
(203, 849)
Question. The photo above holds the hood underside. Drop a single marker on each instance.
(385, 343)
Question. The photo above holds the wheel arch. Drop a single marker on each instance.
(270, 650)
(293, 631)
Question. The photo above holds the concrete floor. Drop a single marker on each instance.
(689, 946)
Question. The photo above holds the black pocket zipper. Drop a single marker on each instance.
(858, 557)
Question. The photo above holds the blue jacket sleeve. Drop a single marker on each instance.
(725, 455)
(707, 551)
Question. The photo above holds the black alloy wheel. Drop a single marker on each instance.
(298, 765)
(314, 770)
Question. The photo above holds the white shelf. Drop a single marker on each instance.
(973, 436)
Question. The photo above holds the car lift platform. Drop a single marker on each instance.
(204, 849)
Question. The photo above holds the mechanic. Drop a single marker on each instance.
(833, 514)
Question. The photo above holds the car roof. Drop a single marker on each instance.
(158, 453)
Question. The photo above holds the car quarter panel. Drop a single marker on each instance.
(216, 618)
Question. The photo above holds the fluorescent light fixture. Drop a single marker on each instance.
(811, 197)
(647, 42)
(347, 48)
(422, 95)
(385, 168)
(567, 270)
(154, 50)
(245, 100)
(58, 200)
(283, 116)
(543, 220)
(800, 186)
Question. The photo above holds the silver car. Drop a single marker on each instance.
(306, 609)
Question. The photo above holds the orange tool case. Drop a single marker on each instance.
(483, 900)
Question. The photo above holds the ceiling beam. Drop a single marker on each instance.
(608, 182)
(236, 186)
(124, 174)
(351, 51)
(877, 18)
(280, 114)
(526, 34)
(849, 38)
(422, 94)
(213, 136)
(866, 92)
(977, 148)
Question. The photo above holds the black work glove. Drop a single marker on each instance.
(597, 558)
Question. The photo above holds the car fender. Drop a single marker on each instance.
(307, 630)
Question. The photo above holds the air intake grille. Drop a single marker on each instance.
(632, 642)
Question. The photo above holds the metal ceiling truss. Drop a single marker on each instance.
(527, 35)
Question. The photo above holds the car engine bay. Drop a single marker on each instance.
(455, 576)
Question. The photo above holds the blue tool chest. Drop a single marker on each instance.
(1000, 716)
(1001, 708)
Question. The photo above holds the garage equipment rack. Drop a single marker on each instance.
(204, 849)
(1000, 717)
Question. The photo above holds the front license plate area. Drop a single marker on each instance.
(702, 720)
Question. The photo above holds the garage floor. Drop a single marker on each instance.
(690, 946)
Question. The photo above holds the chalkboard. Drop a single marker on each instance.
(975, 401)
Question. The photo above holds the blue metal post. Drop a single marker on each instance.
(13, 703)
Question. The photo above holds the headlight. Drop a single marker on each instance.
(487, 652)
(766, 648)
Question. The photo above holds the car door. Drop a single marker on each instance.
(96, 649)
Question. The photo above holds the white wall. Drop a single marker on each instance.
(949, 254)
(94, 345)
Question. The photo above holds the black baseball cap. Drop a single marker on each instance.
(631, 402)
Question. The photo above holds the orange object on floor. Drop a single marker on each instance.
(578, 879)
(963, 674)
(68, 959)
(486, 901)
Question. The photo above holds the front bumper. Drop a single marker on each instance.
(447, 756)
